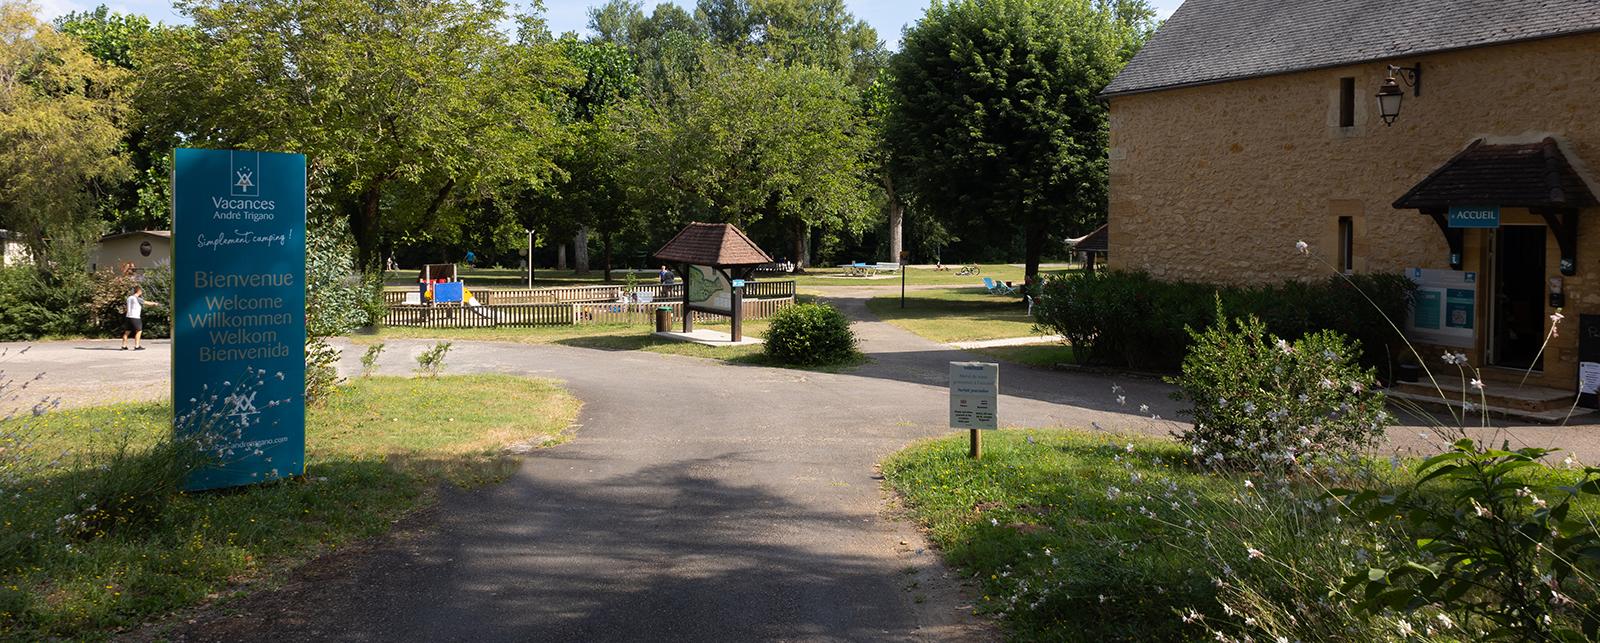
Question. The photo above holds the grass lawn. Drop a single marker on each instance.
(956, 315)
(996, 518)
(1076, 536)
(375, 452)
(1040, 355)
(830, 276)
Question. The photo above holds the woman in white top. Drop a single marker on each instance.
(133, 318)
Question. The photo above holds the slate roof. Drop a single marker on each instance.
(1208, 41)
(1520, 175)
(1097, 241)
(712, 244)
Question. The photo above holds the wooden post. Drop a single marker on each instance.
(976, 450)
(738, 314)
(688, 315)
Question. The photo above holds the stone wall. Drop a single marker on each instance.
(1216, 183)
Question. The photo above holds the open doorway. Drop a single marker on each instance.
(1518, 314)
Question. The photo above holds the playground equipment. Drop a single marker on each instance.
(439, 285)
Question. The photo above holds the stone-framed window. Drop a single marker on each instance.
(1347, 102)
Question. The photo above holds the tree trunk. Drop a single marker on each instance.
(801, 245)
(561, 256)
(897, 223)
(364, 227)
(580, 251)
(605, 243)
(1036, 240)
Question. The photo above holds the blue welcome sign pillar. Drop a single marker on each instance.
(238, 313)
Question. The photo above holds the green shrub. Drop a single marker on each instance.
(369, 359)
(36, 302)
(108, 302)
(1132, 319)
(339, 298)
(431, 361)
(810, 335)
(1261, 402)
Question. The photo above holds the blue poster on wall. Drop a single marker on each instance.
(238, 313)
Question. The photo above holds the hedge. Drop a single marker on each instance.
(1130, 319)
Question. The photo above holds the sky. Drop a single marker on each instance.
(889, 17)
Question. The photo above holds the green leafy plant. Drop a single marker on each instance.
(1260, 401)
(1491, 542)
(338, 296)
(107, 305)
(431, 361)
(369, 359)
(810, 335)
(322, 372)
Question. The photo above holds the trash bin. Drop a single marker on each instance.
(664, 319)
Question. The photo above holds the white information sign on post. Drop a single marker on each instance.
(1589, 378)
(974, 395)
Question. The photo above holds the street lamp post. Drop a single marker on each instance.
(530, 259)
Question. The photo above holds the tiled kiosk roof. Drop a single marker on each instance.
(712, 244)
(1520, 175)
(1097, 241)
(1208, 41)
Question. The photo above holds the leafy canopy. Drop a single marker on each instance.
(405, 108)
(997, 128)
(62, 118)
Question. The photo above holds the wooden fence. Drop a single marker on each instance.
(596, 294)
(529, 315)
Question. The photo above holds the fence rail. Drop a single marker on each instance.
(596, 294)
(531, 315)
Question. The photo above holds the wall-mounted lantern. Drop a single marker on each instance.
(1390, 96)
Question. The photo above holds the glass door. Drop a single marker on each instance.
(1518, 312)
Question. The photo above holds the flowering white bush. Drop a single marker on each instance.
(1260, 401)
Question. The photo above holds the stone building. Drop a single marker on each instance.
(1245, 126)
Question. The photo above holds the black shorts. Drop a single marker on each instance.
(134, 324)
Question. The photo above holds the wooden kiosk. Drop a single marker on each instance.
(713, 260)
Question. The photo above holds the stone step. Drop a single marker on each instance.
(1496, 394)
(1579, 415)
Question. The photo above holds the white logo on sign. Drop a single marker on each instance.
(244, 184)
(245, 167)
(242, 406)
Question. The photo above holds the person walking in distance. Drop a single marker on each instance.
(133, 318)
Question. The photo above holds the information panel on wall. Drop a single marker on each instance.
(1589, 361)
(238, 311)
(1445, 311)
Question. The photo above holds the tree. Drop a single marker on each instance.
(777, 149)
(142, 202)
(997, 128)
(815, 32)
(62, 117)
(664, 45)
(589, 195)
(107, 35)
(404, 108)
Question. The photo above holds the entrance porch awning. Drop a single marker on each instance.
(1536, 176)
